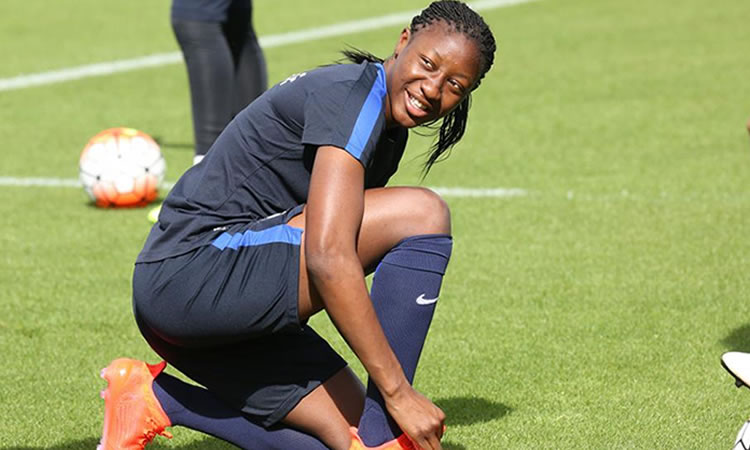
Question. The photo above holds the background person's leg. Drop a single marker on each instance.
(211, 76)
(250, 72)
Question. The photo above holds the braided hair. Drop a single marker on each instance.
(462, 19)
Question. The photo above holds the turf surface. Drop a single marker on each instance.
(590, 313)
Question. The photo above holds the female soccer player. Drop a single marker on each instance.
(284, 218)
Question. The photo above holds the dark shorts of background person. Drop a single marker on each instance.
(226, 316)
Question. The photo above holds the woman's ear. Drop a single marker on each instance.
(403, 39)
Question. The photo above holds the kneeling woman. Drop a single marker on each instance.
(285, 217)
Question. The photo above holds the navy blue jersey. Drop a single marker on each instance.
(206, 10)
(261, 163)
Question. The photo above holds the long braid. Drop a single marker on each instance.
(464, 20)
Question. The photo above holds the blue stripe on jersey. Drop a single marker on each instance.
(284, 234)
(368, 116)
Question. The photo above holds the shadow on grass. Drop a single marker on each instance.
(114, 209)
(470, 410)
(448, 445)
(738, 340)
(91, 443)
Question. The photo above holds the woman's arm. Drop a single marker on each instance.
(335, 207)
(334, 211)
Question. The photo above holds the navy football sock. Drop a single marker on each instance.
(196, 408)
(404, 292)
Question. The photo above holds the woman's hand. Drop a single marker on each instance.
(417, 416)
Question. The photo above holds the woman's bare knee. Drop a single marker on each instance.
(429, 211)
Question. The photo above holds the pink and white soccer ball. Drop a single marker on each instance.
(122, 167)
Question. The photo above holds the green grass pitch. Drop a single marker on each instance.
(588, 314)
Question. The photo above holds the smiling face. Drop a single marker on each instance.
(430, 73)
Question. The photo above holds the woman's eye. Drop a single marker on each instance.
(457, 86)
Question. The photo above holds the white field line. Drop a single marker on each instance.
(479, 192)
(40, 182)
(444, 191)
(274, 40)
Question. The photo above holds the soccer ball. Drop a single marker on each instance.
(121, 167)
(743, 438)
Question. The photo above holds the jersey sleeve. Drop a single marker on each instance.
(348, 114)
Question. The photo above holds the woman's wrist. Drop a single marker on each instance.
(394, 387)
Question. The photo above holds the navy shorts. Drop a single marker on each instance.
(226, 316)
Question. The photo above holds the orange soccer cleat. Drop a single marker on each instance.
(401, 443)
(132, 415)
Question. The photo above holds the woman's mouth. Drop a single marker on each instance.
(417, 104)
(416, 107)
